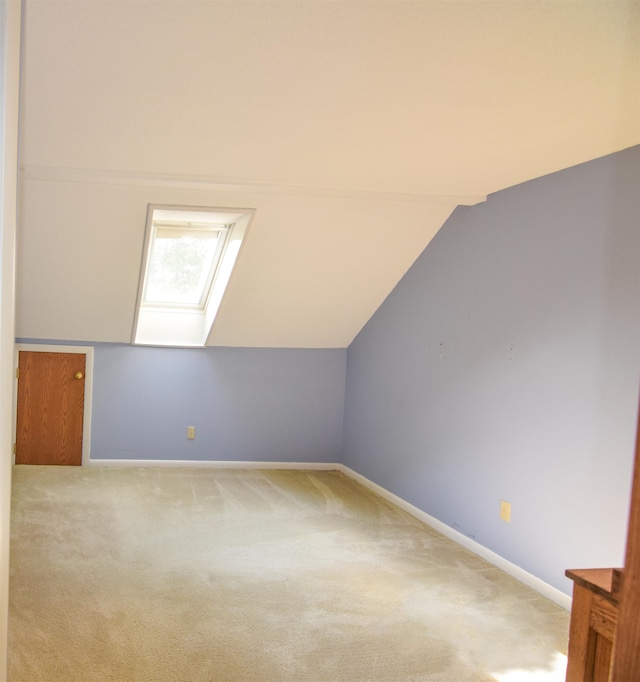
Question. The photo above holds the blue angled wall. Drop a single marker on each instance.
(505, 365)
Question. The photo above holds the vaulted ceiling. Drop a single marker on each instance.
(353, 128)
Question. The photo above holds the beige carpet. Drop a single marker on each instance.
(189, 575)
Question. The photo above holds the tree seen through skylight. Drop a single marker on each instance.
(179, 267)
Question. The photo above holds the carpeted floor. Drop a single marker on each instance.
(194, 575)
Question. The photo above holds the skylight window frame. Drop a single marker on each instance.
(188, 227)
(188, 325)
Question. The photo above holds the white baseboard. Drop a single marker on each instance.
(213, 464)
(516, 572)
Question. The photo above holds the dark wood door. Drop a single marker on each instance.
(50, 408)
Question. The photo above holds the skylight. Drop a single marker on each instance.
(181, 264)
(188, 259)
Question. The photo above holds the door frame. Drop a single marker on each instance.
(87, 351)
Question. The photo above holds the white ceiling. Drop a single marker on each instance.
(354, 129)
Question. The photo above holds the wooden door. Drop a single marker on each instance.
(50, 408)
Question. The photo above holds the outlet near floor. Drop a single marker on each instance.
(505, 510)
(191, 432)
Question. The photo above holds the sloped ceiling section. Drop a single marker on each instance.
(354, 129)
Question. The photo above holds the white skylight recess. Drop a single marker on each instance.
(188, 259)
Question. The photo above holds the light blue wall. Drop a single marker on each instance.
(283, 405)
(246, 404)
(505, 364)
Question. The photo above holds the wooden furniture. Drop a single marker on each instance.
(604, 636)
(626, 664)
(594, 617)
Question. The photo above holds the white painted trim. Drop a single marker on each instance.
(88, 388)
(96, 177)
(214, 464)
(511, 569)
(10, 42)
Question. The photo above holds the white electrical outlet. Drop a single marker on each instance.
(191, 432)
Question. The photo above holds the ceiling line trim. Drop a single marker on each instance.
(80, 175)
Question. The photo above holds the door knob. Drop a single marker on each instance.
(79, 375)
